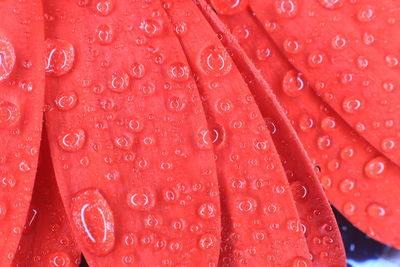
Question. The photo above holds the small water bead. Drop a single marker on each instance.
(362, 62)
(72, 140)
(170, 195)
(347, 153)
(60, 56)
(326, 182)
(153, 221)
(306, 123)
(375, 168)
(147, 88)
(294, 226)
(246, 205)
(291, 45)
(9, 114)
(324, 142)
(301, 262)
(328, 123)
(66, 100)
(136, 124)
(229, 7)
(207, 210)
(366, 14)
(151, 28)
(270, 26)
(124, 141)
(215, 60)
(59, 259)
(105, 34)
(331, 4)
(299, 191)
(347, 185)
(292, 83)
(141, 198)
(388, 145)
(179, 72)
(316, 59)
(128, 259)
(224, 105)
(129, 240)
(208, 241)
(286, 8)
(137, 70)
(338, 42)
(241, 32)
(103, 7)
(7, 59)
(119, 82)
(391, 61)
(376, 210)
(94, 221)
(180, 28)
(176, 103)
(263, 52)
(368, 38)
(352, 104)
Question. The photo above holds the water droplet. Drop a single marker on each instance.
(136, 124)
(148, 89)
(105, 34)
(215, 61)
(375, 210)
(326, 182)
(391, 61)
(207, 210)
(124, 141)
(178, 72)
(180, 28)
(286, 8)
(141, 198)
(324, 142)
(346, 186)
(291, 45)
(7, 59)
(59, 259)
(9, 114)
(331, 4)
(119, 82)
(388, 145)
(246, 205)
(137, 70)
(129, 240)
(352, 104)
(293, 83)
(153, 221)
(94, 221)
(151, 28)
(176, 103)
(103, 7)
(263, 52)
(208, 241)
(301, 262)
(366, 14)
(316, 59)
(229, 7)
(3, 210)
(362, 62)
(328, 123)
(338, 42)
(72, 140)
(306, 123)
(60, 56)
(375, 168)
(224, 105)
(66, 100)
(347, 152)
(299, 191)
(170, 195)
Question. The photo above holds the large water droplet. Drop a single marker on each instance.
(60, 56)
(72, 140)
(215, 61)
(94, 221)
(7, 59)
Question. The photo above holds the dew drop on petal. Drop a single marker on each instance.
(60, 56)
(286, 8)
(208, 241)
(137, 70)
(293, 83)
(59, 259)
(215, 61)
(105, 34)
(103, 7)
(7, 59)
(9, 114)
(291, 45)
(375, 168)
(119, 81)
(94, 221)
(66, 100)
(72, 140)
(352, 104)
(207, 210)
(179, 72)
(124, 141)
(375, 210)
(388, 145)
(229, 7)
(346, 185)
(151, 28)
(331, 4)
(141, 198)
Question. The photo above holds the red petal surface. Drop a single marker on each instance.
(21, 102)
